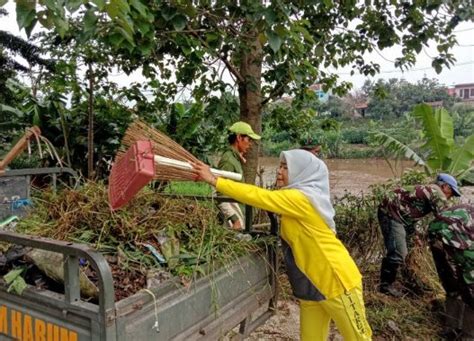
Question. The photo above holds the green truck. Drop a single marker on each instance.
(238, 298)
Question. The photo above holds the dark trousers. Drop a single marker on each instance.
(395, 239)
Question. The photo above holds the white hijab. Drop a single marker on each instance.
(310, 175)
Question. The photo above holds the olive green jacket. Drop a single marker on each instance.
(230, 161)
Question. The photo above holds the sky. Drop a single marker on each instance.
(461, 72)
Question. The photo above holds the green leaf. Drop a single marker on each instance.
(270, 16)
(17, 286)
(436, 143)
(397, 148)
(73, 5)
(463, 157)
(45, 19)
(25, 14)
(445, 123)
(139, 7)
(61, 25)
(12, 274)
(307, 36)
(99, 3)
(9, 109)
(274, 41)
(168, 13)
(16, 282)
(180, 109)
(37, 116)
(90, 20)
(211, 36)
(146, 48)
(126, 35)
(117, 7)
(281, 31)
(319, 52)
(126, 23)
(328, 3)
(179, 22)
(143, 26)
(122, 5)
(3, 2)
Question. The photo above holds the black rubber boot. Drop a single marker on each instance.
(453, 318)
(388, 274)
(468, 324)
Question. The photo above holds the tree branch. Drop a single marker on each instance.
(223, 58)
(276, 92)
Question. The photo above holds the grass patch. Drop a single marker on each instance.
(402, 318)
(188, 188)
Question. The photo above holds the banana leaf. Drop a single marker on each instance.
(462, 158)
(436, 143)
(11, 110)
(397, 148)
(446, 125)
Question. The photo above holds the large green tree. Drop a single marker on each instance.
(395, 97)
(268, 48)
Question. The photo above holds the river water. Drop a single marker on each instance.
(352, 175)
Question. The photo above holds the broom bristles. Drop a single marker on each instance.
(163, 146)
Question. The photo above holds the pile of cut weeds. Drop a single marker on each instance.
(184, 232)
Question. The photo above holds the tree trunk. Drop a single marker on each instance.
(251, 99)
(90, 130)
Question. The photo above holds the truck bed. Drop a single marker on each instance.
(241, 294)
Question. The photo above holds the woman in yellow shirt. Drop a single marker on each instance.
(322, 273)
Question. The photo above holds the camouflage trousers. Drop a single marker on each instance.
(451, 273)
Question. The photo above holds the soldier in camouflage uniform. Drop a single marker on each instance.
(451, 237)
(397, 215)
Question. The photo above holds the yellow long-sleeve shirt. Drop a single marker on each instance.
(317, 251)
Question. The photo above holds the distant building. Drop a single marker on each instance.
(318, 90)
(463, 91)
(451, 91)
(436, 104)
(360, 109)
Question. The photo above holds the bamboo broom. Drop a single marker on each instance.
(145, 154)
(163, 146)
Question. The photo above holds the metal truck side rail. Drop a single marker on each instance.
(71, 301)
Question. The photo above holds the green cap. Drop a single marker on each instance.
(309, 143)
(243, 128)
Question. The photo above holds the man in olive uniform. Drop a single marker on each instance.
(311, 146)
(240, 140)
(398, 213)
(451, 237)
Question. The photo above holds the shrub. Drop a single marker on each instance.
(355, 136)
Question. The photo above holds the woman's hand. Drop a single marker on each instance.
(203, 173)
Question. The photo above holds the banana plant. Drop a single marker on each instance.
(441, 151)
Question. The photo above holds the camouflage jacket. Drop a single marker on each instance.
(455, 228)
(408, 206)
